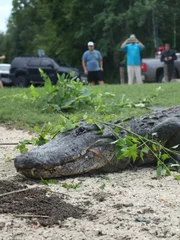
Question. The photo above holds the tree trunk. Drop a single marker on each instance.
(122, 77)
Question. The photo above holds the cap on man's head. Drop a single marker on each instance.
(90, 44)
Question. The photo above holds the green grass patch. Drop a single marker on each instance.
(51, 110)
(19, 111)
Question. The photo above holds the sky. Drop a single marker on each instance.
(5, 12)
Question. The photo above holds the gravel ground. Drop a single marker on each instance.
(128, 205)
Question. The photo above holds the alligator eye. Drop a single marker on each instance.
(80, 130)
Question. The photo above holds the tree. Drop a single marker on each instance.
(63, 28)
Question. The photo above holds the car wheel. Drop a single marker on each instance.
(21, 81)
(160, 78)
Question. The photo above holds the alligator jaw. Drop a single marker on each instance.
(91, 161)
(68, 154)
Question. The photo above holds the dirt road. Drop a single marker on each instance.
(123, 206)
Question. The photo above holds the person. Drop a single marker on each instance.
(133, 47)
(168, 57)
(1, 83)
(93, 65)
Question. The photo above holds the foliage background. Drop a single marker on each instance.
(62, 28)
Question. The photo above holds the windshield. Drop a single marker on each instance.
(4, 68)
(61, 63)
(55, 63)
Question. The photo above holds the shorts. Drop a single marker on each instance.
(95, 76)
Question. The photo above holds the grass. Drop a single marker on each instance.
(22, 113)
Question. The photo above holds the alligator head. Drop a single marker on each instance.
(84, 149)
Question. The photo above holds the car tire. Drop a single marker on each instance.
(20, 81)
(160, 78)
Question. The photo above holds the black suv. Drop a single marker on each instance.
(25, 70)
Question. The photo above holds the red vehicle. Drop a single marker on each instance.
(159, 51)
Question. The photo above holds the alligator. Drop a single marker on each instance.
(87, 149)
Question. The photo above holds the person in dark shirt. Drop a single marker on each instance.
(168, 57)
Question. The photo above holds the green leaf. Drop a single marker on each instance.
(68, 186)
(174, 147)
(177, 177)
(69, 126)
(71, 74)
(60, 95)
(100, 132)
(45, 182)
(145, 150)
(102, 186)
(78, 186)
(116, 129)
(33, 92)
(41, 140)
(154, 147)
(132, 139)
(159, 171)
(129, 152)
(142, 155)
(22, 146)
(165, 156)
(133, 152)
(68, 103)
(168, 172)
(99, 126)
(162, 171)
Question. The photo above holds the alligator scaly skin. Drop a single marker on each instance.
(83, 150)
